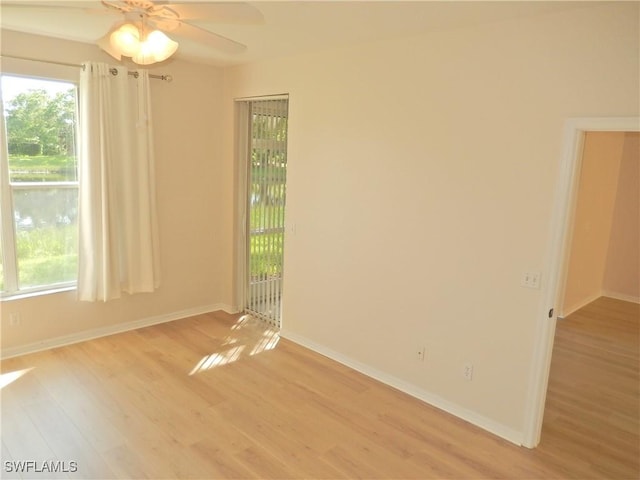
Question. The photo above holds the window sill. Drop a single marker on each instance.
(35, 293)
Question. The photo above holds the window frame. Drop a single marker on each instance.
(8, 235)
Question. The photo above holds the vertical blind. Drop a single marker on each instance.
(267, 170)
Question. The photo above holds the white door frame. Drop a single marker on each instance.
(561, 221)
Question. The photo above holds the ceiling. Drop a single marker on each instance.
(289, 28)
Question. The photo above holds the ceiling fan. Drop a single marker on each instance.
(141, 32)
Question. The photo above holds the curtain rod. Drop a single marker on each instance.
(113, 71)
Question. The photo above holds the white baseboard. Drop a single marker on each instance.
(587, 301)
(470, 416)
(584, 302)
(109, 330)
(622, 296)
(232, 309)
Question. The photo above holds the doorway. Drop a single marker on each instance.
(561, 223)
(602, 257)
(265, 166)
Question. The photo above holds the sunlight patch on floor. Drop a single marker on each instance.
(10, 377)
(268, 341)
(250, 336)
(217, 359)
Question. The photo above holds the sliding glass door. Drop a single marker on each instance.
(266, 170)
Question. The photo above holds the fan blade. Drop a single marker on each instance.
(86, 7)
(219, 12)
(210, 39)
(44, 4)
(162, 23)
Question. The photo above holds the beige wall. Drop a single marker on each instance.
(622, 272)
(604, 256)
(421, 179)
(191, 203)
(593, 217)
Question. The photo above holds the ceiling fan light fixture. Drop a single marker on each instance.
(155, 47)
(161, 45)
(126, 39)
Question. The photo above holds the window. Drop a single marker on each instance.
(38, 171)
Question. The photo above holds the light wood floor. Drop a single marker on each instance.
(592, 415)
(256, 406)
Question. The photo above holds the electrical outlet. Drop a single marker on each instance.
(468, 371)
(421, 353)
(530, 280)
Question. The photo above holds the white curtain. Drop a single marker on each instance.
(118, 231)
